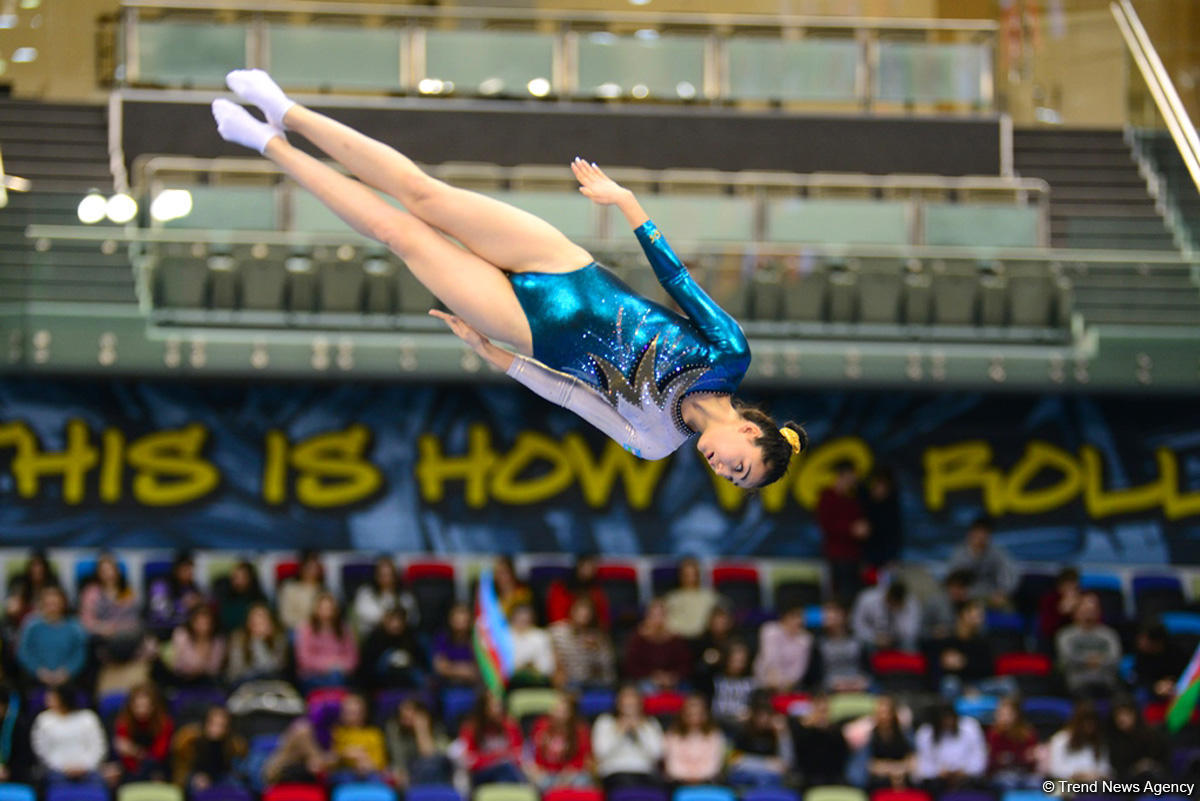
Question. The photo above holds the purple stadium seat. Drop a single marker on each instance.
(432, 792)
(225, 792)
(968, 795)
(638, 794)
(69, 791)
(769, 794)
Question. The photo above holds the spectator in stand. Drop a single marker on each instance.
(16, 759)
(1056, 608)
(964, 659)
(951, 752)
(561, 594)
(889, 751)
(820, 749)
(887, 617)
(299, 758)
(627, 744)
(69, 743)
(718, 635)
(1078, 753)
(142, 736)
(845, 531)
(655, 656)
(383, 593)
(532, 651)
(197, 649)
(562, 748)
(326, 653)
(417, 746)
(733, 686)
(510, 591)
(839, 661)
(690, 604)
(1012, 748)
(1089, 652)
(236, 594)
(391, 655)
(784, 650)
(1157, 662)
(993, 573)
(173, 597)
(25, 588)
(109, 613)
(258, 650)
(358, 749)
(761, 755)
(53, 648)
(297, 596)
(491, 744)
(941, 608)
(1136, 752)
(207, 754)
(694, 748)
(453, 653)
(880, 503)
(583, 651)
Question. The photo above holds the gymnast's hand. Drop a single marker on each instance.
(496, 356)
(594, 184)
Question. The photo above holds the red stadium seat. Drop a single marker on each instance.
(1023, 664)
(285, 571)
(573, 794)
(294, 792)
(901, 795)
(784, 702)
(664, 703)
(734, 573)
(886, 662)
(616, 573)
(740, 584)
(417, 571)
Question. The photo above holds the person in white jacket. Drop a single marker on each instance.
(532, 650)
(69, 743)
(627, 745)
(951, 751)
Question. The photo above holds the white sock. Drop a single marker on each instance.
(235, 124)
(257, 87)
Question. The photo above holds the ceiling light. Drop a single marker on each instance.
(92, 208)
(121, 208)
(171, 204)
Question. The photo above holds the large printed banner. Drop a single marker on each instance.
(456, 468)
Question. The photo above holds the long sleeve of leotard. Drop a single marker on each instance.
(715, 323)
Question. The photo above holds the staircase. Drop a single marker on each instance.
(1098, 199)
(1163, 154)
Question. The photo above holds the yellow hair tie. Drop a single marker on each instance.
(792, 437)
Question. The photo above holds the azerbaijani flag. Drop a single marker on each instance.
(1187, 692)
(493, 640)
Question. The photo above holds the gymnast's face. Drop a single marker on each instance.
(730, 451)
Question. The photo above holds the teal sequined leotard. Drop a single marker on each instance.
(623, 362)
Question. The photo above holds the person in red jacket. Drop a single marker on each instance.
(562, 594)
(491, 744)
(562, 748)
(654, 657)
(844, 529)
(142, 736)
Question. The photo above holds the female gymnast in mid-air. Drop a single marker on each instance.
(644, 375)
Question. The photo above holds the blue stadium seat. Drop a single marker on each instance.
(1047, 714)
(86, 568)
(980, 707)
(456, 703)
(1182, 622)
(1027, 795)
(154, 570)
(663, 579)
(76, 792)
(354, 575)
(968, 795)
(432, 792)
(363, 791)
(814, 616)
(769, 794)
(224, 792)
(705, 792)
(109, 705)
(1156, 594)
(17, 792)
(593, 703)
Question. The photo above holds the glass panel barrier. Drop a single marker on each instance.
(773, 69)
(338, 57)
(667, 67)
(980, 225)
(844, 221)
(230, 208)
(189, 53)
(931, 72)
(511, 63)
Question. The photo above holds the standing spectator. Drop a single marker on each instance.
(690, 604)
(532, 651)
(53, 648)
(1089, 652)
(889, 752)
(173, 597)
(839, 660)
(491, 744)
(236, 594)
(326, 653)
(583, 581)
(993, 573)
(845, 530)
(562, 748)
(25, 588)
(965, 657)
(207, 754)
(68, 742)
(299, 758)
(1012, 748)
(109, 612)
(358, 748)
(383, 593)
(258, 650)
(1157, 662)
(453, 653)
(509, 590)
(784, 651)
(881, 504)
(887, 618)
(627, 744)
(197, 649)
(391, 655)
(694, 748)
(654, 655)
(582, 650)
(733, 686)
(762, 747)
(142, 736)
(1136, 751)
(1078, 753)
(1056, 608)
(951, 751)
(298, 596)
(718, 635)
(417, 746)
(819, 745)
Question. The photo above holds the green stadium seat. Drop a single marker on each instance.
(531, 702)
(379, 288)
(980, 225)
(222, 282)
(1030, 294)
(955, 292)
(805, 292)
(917, 302)
(762, 68)
(880, 290)
(335, 57)
(230, 208)
(846, 706)
(569, 212)
(489, 63)
(263, 280)
(932, 72)
(198, 54)
(838, 220)
(691, 219)
(766, 293)
(505, 792)
(149, 791)
(412, 297)
(181, 276)
(666, 67)
(301, 284)
(843, 292)
(993, 295)
(340, 284)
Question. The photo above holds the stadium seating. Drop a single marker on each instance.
(149, 791)
(363, 791)
(704, 793)
(78, 792)
(17, 792)
(835, 793)
(294, 792)
(432, 792)
(504, 792)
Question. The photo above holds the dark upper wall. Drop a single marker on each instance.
(634, 136)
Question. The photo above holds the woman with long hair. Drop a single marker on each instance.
(197, 648)
(694, 747)
(889, 751)
(583, 650)
(951, 751)
(109, 612)
(627, 743)
(644, 375)
(1079, 752)
(326, 651)
(259, 649)
(235, 594)
(562, 747)
(383, 593)
(142, 736)
(491, 743)
(1012, 747)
